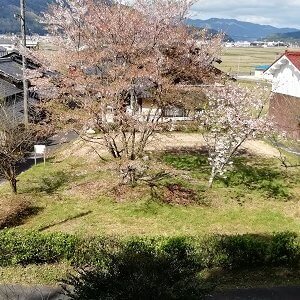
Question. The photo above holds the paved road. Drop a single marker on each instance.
(16, 292)
(276, 293)
(53, 143)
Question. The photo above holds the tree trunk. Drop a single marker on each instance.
(13, 184)
(13, 179)
(211, 178)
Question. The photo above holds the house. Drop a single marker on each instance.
(285, 101)
(181, 103)
(11, 84)
(8, 44)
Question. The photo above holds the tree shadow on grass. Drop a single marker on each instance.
(250, 172)
(19, 216)
(187, 158)
(262, 176)
(52, 182)
(79, 215)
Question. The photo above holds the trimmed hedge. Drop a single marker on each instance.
(35, 248)
(236, 251)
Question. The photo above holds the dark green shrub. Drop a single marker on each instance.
(285, 249)
(210, 251)
(93, 251)
(236, 251)
(244, 251)
(140, 270)
(35, 248)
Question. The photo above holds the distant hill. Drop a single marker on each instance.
(239, 30)
(286, 37)
(8, 24)
(233, 29)
(210, 32)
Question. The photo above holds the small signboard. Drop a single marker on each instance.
(39, 150)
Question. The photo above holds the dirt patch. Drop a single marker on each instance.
(14, 210)
(162, 142)
(123, 193)
(177, 194)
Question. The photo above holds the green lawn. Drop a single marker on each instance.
(76, 195)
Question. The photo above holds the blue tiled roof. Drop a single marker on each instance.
(262, 67)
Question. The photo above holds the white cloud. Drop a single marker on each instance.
(272, 12)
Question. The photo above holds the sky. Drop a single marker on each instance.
(279, 13)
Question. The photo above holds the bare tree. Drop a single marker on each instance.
(118, 66)
(15, 142)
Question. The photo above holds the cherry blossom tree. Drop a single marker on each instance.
(233, 115)
(116, 66)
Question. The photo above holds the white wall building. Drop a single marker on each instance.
(286, 74)
(285, 102)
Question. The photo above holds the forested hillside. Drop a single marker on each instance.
(239, 30)
(9, 24)
(288, 37)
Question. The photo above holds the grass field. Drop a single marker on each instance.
(244, 60)
(77, 195)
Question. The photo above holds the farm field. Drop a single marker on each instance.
(244, 60)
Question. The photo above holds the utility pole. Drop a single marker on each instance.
(24, 62)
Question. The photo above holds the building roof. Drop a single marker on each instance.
(17, 57)
(10, 68)
(7, 41)
(7, 89)
(262, 67)
(292, 56)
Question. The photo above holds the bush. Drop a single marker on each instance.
(284, 249)
(244, 251)
(237, 251)
(140, 270)
(35, 248)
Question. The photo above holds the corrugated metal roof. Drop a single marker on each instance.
(7, 89)
(11, 68)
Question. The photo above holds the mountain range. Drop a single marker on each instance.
(239, 30)
(233, 29)
(289, 36)
(10, 8)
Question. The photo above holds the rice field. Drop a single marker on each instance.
(242, 61)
